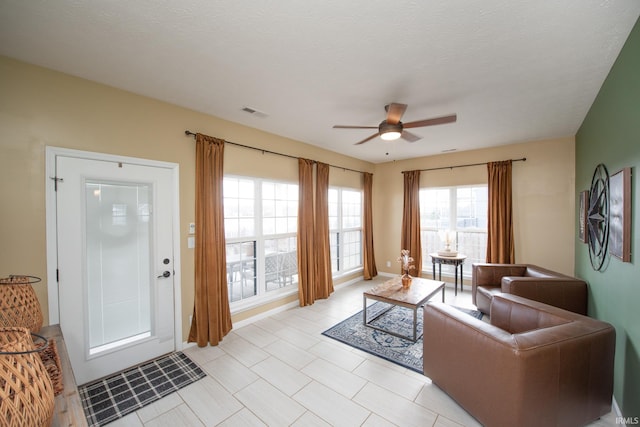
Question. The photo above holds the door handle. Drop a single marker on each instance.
(164, 274)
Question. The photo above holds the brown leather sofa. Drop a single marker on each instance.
(533, 365)
(528, 281)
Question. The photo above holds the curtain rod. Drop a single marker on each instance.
(189, 133)
(524, 159)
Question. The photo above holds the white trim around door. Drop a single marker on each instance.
(51, 228)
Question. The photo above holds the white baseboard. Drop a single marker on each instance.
(265, 314)
(621, 420)
(349, 282)
(293, 304)
(615, 408)
(381, 273)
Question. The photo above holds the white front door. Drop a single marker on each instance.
(115, 263)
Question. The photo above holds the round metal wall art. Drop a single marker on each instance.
(598, 217)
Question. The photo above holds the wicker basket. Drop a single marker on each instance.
(19, 305)
(51, 362)
(26, 393)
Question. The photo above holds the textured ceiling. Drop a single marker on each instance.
(513, 71)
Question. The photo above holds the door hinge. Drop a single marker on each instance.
(56, 180)
(57, 275)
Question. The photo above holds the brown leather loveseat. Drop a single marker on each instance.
(533, 365)
(528, 281)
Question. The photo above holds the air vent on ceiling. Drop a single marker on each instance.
(254, 112)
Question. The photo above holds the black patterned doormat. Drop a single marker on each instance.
(400, 351)
(114, 397)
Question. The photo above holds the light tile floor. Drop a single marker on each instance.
(280, 371)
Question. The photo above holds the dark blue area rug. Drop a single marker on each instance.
(108, 399)
(401, 351)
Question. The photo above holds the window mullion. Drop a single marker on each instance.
(259, 238)
(340, 237)
(453, 208)
(453, 215)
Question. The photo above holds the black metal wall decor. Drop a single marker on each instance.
(598, 217)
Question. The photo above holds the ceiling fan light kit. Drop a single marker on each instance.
(390, 136)
(392, 128)
(390, 132)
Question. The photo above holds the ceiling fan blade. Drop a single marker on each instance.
(354, 127)
(395, 112)
(430, 122)
(367, 139)
(410, 137)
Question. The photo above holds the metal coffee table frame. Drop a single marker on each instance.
(391, 292)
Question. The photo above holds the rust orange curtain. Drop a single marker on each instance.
(368, 257)
(306, 253)
(411, 219)
(324, 279)
(500, 245)
(211, 314)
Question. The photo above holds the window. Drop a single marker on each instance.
(279, 230)
(345, 229)
(460, 210)
(239, 208)
(261, 219)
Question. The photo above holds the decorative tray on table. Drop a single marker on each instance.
(448, 253)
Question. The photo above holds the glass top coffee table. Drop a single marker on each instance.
(392, 293)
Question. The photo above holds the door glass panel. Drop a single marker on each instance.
(118, 247)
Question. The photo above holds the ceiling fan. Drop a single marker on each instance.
(392, 128)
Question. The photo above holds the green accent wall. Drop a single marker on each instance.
(610, 134)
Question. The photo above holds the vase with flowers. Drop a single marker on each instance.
(407, 265)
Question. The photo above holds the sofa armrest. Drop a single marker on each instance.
(563, 292)
(490, 275)
(508, 314)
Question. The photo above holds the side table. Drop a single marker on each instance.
(456, 261)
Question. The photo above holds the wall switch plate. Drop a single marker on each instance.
(192, 228)
(191, 242)
(388, 263)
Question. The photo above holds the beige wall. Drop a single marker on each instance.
(543, 198)
(40, 108)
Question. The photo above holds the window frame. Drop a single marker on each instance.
(262, 295)
(337, 259)
(453, 226)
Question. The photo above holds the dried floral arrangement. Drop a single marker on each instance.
(406, 260)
